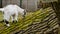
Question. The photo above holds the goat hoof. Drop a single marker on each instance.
(8, 25)
(15, 21)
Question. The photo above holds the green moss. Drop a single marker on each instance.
(23, 24)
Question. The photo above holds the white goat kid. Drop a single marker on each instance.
(11, 11)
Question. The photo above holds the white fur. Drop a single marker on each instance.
(11, 10)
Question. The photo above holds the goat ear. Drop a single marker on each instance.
(24, 14)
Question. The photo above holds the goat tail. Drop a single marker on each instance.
(2, 9)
